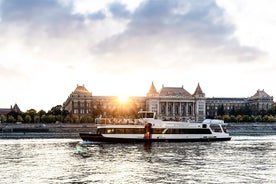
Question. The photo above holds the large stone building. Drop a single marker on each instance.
(5, 111)
(255, 104)
(81, 102)
(170, 103)
(176, 103)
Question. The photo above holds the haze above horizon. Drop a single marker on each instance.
(118, 47)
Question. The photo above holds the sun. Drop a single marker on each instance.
(123, 98)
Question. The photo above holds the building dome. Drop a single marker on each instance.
(82, 91)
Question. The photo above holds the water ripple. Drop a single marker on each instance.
(248, 159)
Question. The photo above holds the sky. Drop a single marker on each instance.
(118, 47)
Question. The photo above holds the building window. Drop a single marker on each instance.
(176, 110)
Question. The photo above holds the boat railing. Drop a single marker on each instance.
(119, 121)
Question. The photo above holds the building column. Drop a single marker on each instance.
(187, 109)
(173, 108)
(193, 109)
(179, 109)
(166, 110)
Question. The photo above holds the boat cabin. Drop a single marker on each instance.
(146, 114)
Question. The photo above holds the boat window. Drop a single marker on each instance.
(119, 130)
(146, 114)
(204, 126)
(224, 128)
(138, 130)
(215, 128)
(157, 130)
(122, 130)
(109, 131)
(188, 131)
(100, 131)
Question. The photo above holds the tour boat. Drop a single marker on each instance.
(149, 129)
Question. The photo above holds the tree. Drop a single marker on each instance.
(258, 118)
(56, 110)
(59, 118)
(37, 119)
(13, 114)
(75, 119)
(67, 119)
(44, 118)
(226, 118)
(51, 118)
(246, 118)
(28, 119)
(31, 113)
(97, 109)
(239, 118)
(19, 118)
(11, 119)
(3, 118)
(41, 113)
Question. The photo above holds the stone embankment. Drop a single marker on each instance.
(261, 128)
(61, 130)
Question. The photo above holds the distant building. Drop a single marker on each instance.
(255, 104)
(170, 103)
(79, 102)
(5, 111)
(260, 101)
(176, 103)
(221, 106)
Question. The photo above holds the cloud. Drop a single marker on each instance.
(182, 32)
(176, 33)
(119, 10)
(8, 74)
(49, 16)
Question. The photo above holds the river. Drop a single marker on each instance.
(244, 159)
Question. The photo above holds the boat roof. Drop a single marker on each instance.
(213, 121)
(155, 124)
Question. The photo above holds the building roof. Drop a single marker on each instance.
(174, 91)
(81, 90)
(260, 94)
(152, 91)
(198, 91)
(5, 111)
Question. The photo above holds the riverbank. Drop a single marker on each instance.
(261, 128)
(60, 130)
(68, 130)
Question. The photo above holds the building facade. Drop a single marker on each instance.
(79, 102)
(260, 101)
(254, 105)
(170, 103)
(176, 103)
(5, 111)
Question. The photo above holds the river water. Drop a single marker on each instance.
(244, 159)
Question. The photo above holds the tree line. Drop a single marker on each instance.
(246, 115)
(58, 114)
